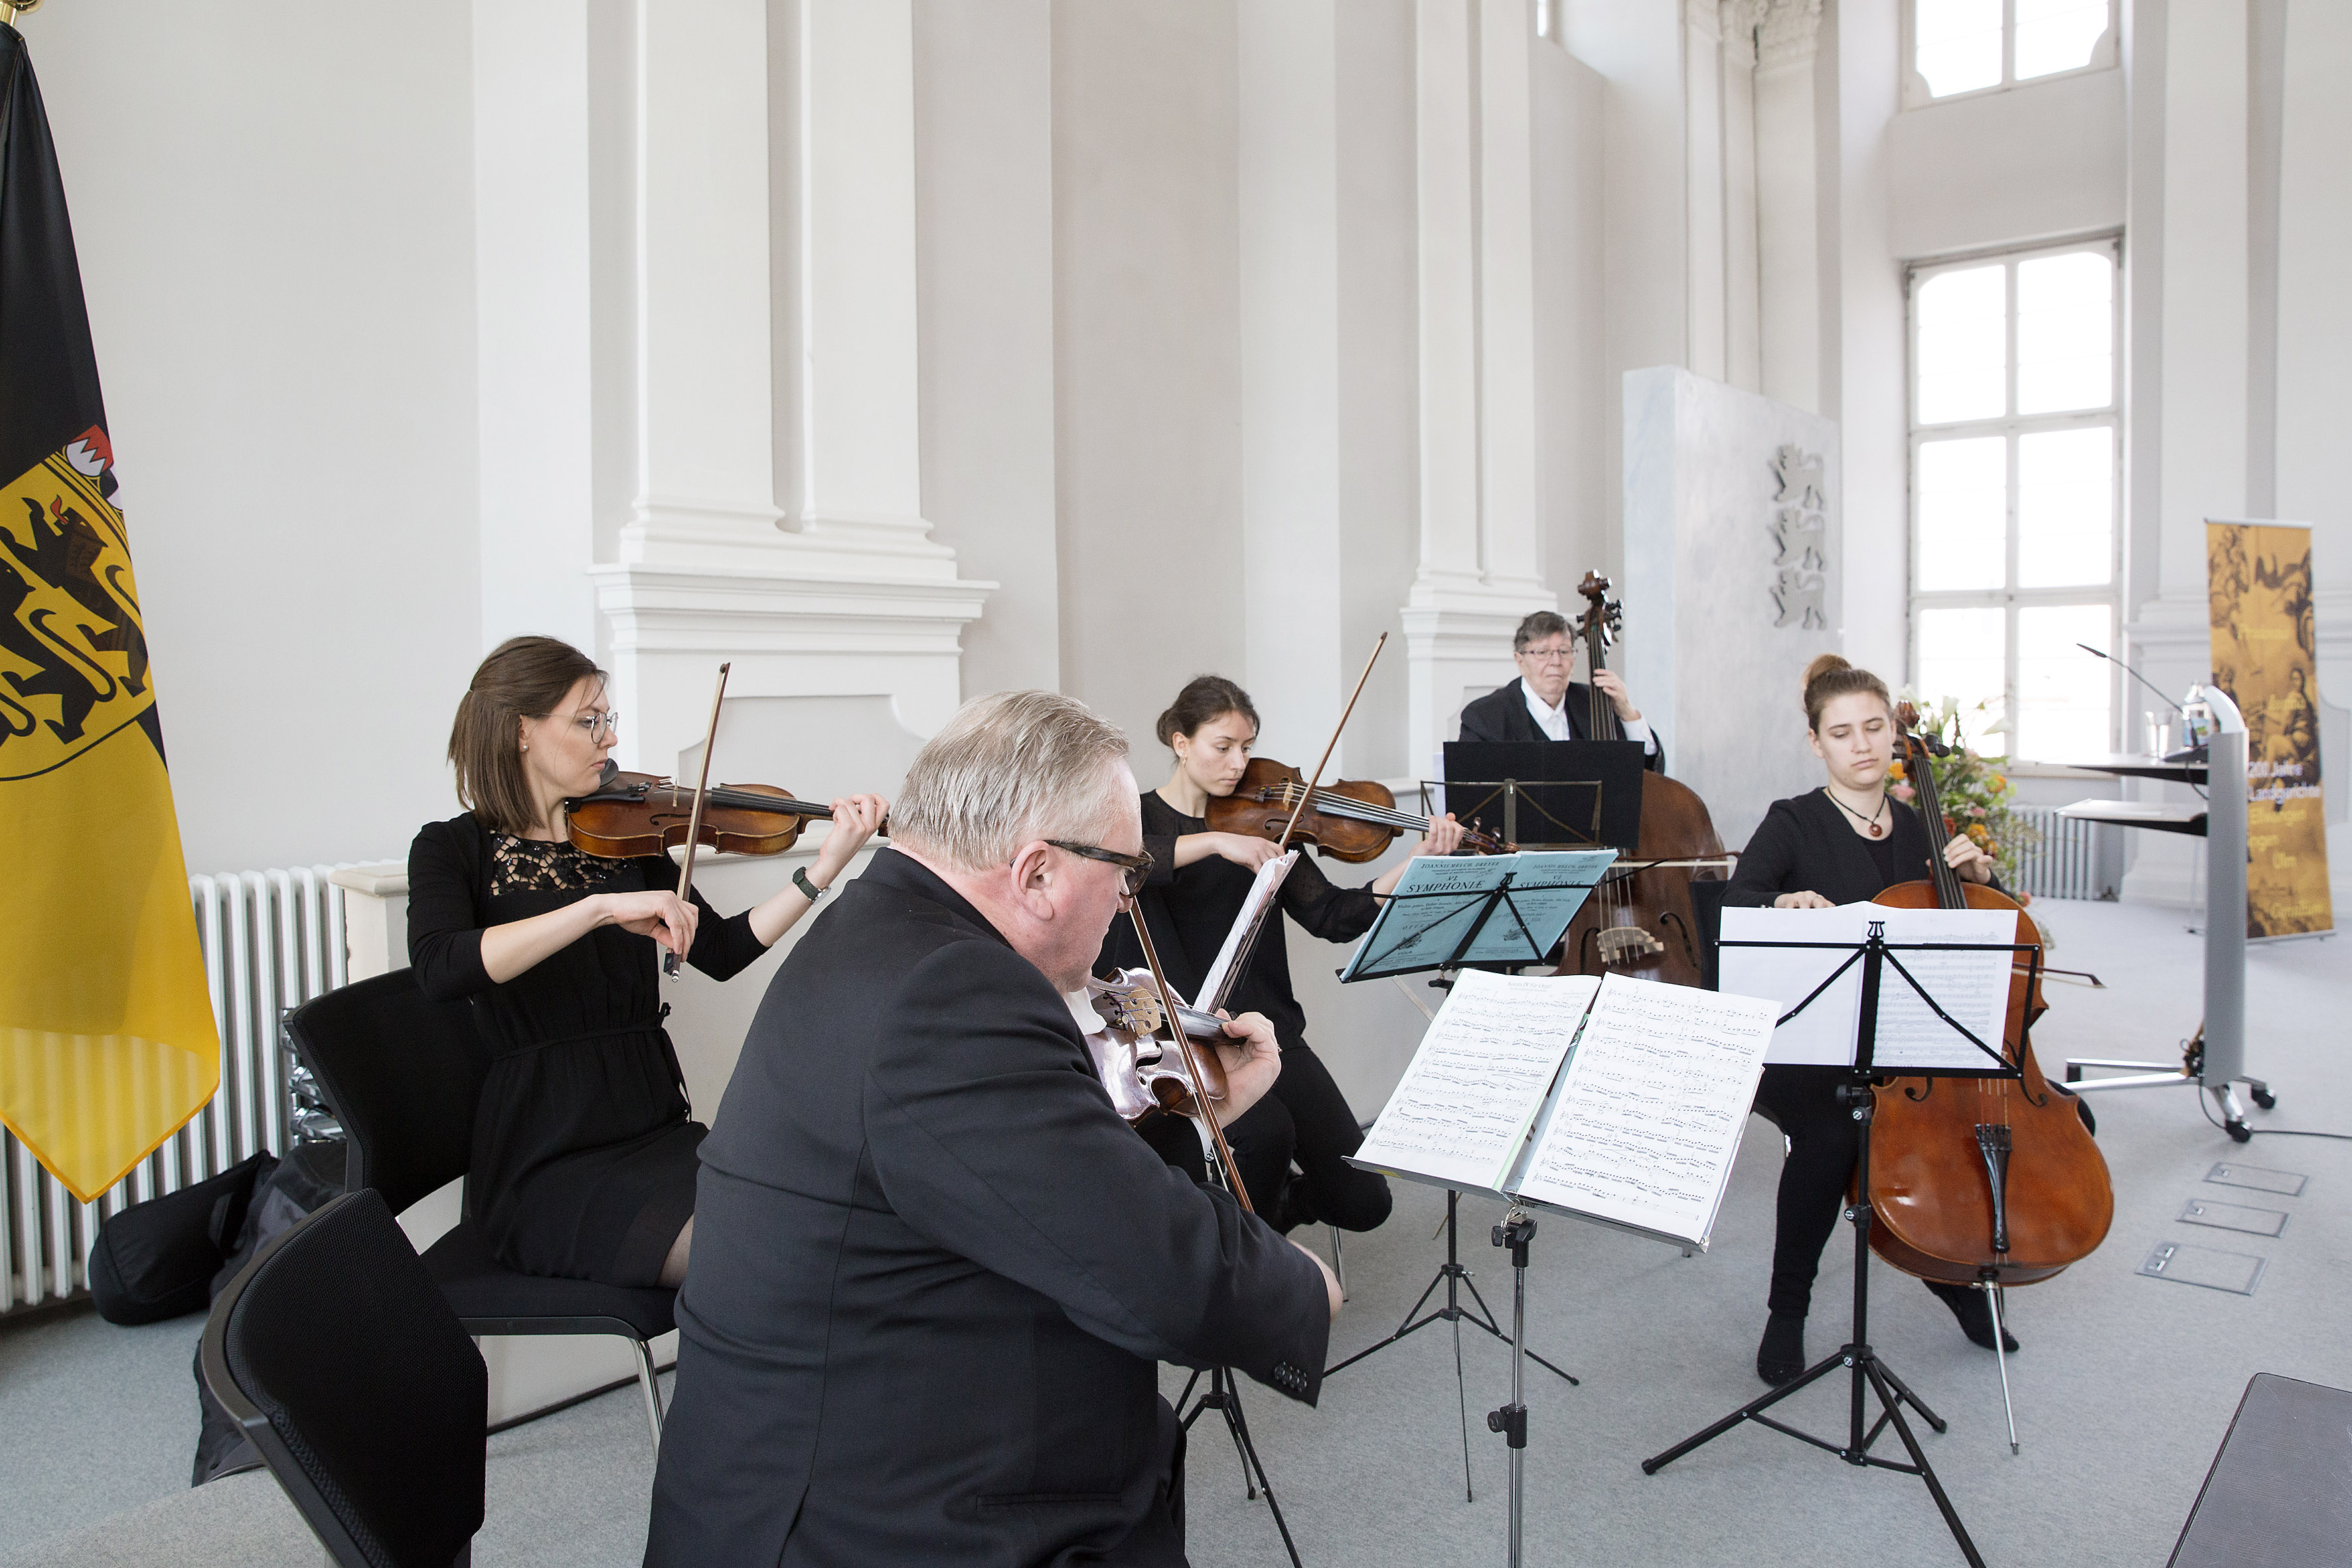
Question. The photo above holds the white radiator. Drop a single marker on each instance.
(271, 940)
(2066, 864)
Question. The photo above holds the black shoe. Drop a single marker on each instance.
(1781, 1356)
(1974, 1313)
(1295, 1204)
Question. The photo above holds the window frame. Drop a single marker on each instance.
(2010, 598)
(2105, 55)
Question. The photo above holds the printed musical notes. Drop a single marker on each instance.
(1461, 1113)
(1972, 987)
(1647, 1118)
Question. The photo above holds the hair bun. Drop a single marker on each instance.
(1827, 664)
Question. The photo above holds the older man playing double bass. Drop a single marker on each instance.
(933, 1270)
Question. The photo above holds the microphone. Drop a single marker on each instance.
(2134, 674)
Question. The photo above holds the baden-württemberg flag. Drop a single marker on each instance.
(107, 1041)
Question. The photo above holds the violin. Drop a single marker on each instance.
(1145, 1080)
(1354, 820)
(1977, 1180)
(1641, 922)
(634, 814)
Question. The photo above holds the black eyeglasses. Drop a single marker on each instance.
(1137, 867)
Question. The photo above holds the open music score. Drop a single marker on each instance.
(1620, 1101)
(1972, 986)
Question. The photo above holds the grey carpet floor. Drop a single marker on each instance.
(2124, 1387)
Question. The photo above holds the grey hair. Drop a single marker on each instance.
(1009, 768)
(1542, 624)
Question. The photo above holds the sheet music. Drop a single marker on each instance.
(1972, 986)
(1253, 909)
(1648, 1114)
(1461, 1111)
(1441, 897)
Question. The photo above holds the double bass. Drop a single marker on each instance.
(1980, 1180)
(1641, 923)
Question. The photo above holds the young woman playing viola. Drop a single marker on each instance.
(1198, 883)
(1843, 844)
(584, 1162)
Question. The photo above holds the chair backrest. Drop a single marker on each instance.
(336, 1353)
(403, 1074)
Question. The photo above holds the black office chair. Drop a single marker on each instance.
(404, 1074)
(343, 1365)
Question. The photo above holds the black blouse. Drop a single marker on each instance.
(1192, 908)
(1806, 845)
(584, 1159)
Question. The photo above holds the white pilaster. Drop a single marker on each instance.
(1480, 571)
(1787, 214)
(1289, 167)
(834, 587)
(2200, 432)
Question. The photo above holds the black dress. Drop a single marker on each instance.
(584, 1158)
(1304, 1117)
(1806, 845)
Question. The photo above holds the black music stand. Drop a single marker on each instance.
(1870, 1372)
(1569, 794)
(1223, 1395)
(1407, 952)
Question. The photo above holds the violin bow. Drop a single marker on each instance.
(1191, 1060)
(670, 960)
(1329, 747)
(1249, 941)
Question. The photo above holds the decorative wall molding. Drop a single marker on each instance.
(1788, 33)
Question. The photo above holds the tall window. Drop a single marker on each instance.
(1976, 46)
(2015, 464)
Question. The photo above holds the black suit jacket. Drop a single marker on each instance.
(1502, 715)
(933, 1270)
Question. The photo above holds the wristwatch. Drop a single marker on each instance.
(800, 881)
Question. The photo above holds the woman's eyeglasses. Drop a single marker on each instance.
(597, 726)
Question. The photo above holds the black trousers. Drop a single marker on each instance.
(1824, 1142)
(1307, 1119)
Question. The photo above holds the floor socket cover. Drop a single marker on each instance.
(2210, 1266)
(2287, 1183)
(2233, 1216)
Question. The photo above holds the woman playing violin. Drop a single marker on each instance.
(1843, 844)
(1198, 883)
(583, 1162)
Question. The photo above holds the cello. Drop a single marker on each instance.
(1980, 1180)
(1641, 923)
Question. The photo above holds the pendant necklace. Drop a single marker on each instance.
(1870, 822)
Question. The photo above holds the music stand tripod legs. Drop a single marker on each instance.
(1223, 1396)
(1870, 1374)
(1457, 1278)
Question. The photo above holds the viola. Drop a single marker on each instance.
(1980, 1180)
(634, 814)
(1641, 924)
(1354, 820)
(1143, 1078)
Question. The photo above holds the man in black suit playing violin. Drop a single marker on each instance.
(1544, 704)
(933, 1268)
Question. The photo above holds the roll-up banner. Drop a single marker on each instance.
(2258, 578)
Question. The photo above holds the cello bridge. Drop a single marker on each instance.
(1625, 944)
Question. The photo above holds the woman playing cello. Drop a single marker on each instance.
(1841, 843)
(583, 1164)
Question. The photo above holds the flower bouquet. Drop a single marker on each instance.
(1976, 798)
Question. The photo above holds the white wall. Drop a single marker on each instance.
(2043, 160)
(273, 204)
(1147, 354)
